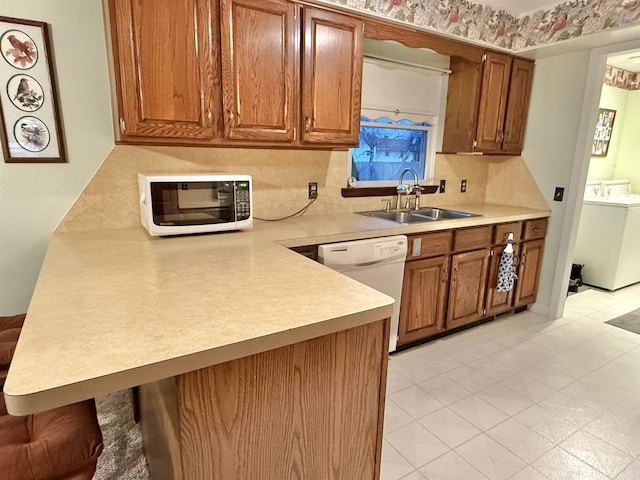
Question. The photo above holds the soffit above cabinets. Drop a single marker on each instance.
(629, 61)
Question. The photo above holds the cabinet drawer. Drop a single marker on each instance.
(535, 229)
(472, 238)
(501, 234)
(429, 245)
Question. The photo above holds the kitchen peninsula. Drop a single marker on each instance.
(251, 358)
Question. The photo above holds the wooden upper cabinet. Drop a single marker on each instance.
(259, 40)
(493, 101)
(164, 66)
(517, 105)
(331, 78)
(487, 104)
(463, 96)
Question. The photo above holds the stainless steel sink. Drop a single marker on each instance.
(399, 216)
(443, 213)
(426, 214)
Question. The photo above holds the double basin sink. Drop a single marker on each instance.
(426, 214)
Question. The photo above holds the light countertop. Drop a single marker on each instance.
(116, 308)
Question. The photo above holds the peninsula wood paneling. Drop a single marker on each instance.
(310, 410)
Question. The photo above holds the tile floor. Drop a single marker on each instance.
(522, 398)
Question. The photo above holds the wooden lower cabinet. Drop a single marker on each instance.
(529, 272)
(310, 410)
(450, 277)
(498, 302)
(467, 287)
(424, 293)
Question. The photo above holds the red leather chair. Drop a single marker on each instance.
(59, 444)
(10, 328)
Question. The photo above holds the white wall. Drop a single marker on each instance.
(550, 144)
(34, 197)
(602, 168)
(627, 165)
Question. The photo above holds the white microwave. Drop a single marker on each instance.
(178, 204)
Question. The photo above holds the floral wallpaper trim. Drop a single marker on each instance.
(499, 28)
(619, 78)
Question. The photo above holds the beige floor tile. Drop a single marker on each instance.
(490, 458)
(451, 466)
(559, 464)
(416, 444)
(393, 466)
(415, 401)
(444, 389)
(595, 452)
(479, 412)
(521, 440)
(449, 427)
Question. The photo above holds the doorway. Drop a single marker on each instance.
(579, 171)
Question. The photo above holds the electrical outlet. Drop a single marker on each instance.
(442, 185)
(463, 186)
(313, 190)
(558, 194)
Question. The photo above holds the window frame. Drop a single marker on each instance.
(431, 128)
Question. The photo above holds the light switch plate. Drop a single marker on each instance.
(417, 247)
(558, 195)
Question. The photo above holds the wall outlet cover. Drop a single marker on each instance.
(313, 190)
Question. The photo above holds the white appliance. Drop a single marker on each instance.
(377, 263)
(608, 241)
(178, 204)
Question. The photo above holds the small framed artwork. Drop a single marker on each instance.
(30, 124)
(602, 135)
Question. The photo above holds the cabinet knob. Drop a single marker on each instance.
(123, 126)
(307, 123)
(209, 118)
(232, 118)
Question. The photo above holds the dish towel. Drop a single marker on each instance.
(506, 268)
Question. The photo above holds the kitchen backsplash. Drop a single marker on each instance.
(281, 177)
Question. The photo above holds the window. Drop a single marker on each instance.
(389, 146)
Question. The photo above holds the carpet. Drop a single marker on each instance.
(122, 457)
(629, 321)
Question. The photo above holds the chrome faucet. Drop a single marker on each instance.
(403, 189)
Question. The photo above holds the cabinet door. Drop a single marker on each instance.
(498, 302)
(529, 272)
(517, 105)
(466, 291)
(164, 65)
(259, 41)
(331, 78)
(463, 96)
(493, 101)
(424, 292)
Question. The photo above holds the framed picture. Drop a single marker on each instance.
(602, 136)
(30, 125)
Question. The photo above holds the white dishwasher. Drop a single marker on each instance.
(377, 263)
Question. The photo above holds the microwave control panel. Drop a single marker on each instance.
(243, 210)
